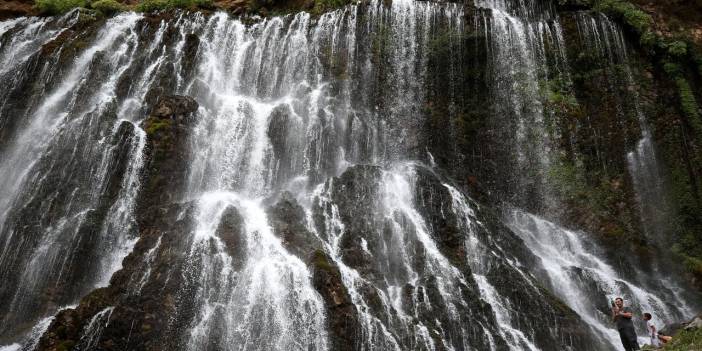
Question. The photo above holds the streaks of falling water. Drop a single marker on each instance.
(403, 237)
(251, 79)
(266, 92)
(77, 180)
(93, 330)
(22, 37)
(479, 259)
(604, 38)
(31, 340)
(519, 47)
(374, 333)
(268, 303)
(585, 282)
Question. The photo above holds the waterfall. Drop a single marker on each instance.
(520, 39)
(308, 219)
(575, 272)
(63, 167)
(606, 39)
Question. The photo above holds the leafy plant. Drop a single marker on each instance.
(686, 340)
(688, 102)
(108, 7)
(632, 14)
(57, 7)
(677, 48)
(157, 5)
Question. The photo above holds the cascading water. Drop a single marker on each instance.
(306, 220)
(73, 170)
(585, 282)
(601, 36)
(521, 34)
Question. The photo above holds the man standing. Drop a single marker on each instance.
(622, 318)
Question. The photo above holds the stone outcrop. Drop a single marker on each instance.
(141, 307)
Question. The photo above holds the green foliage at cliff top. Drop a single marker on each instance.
(630, 13)
(108, 7)
(321, 6)
(156, 5)
(57, 7)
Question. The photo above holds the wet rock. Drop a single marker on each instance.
(695, 323)
(141, 312)
(168, 130)
(230, 230)
(180, 109)
(145, 299)
(283, 132)
(342, 317)
(190, 57)
(355, 193)
(287, 218)
(434, 200)
(16, 8)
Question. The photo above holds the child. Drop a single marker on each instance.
(656, 338)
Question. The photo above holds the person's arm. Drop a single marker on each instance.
(623, 312)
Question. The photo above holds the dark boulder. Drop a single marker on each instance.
(287, 218)
(342, 317)
(168, 128)
(230, 231)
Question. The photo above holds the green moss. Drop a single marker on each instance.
(686, 340)
(677, 48)
(57, 7)
(321, 261)
(158, 5)
(630, 13)
(281, 8)
(321, 6)
(66, 345)
(689, 106)
(687, 98)
(108, 7)
(673, 69)
(154, 127)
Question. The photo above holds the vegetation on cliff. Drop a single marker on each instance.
(686, 340)
(260, 7)
(666, 68)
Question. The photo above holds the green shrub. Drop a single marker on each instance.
(321, 6)
(673, 69)
(57, 7)
(156, 5)
(686, 340)
(108, 7)
(632, 15)
(648, 39)
(687, 99)
(677, 48)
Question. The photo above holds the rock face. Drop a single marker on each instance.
(140, 300)
(167, 129)
(194, 181)
(342, 317)
(16, 8)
